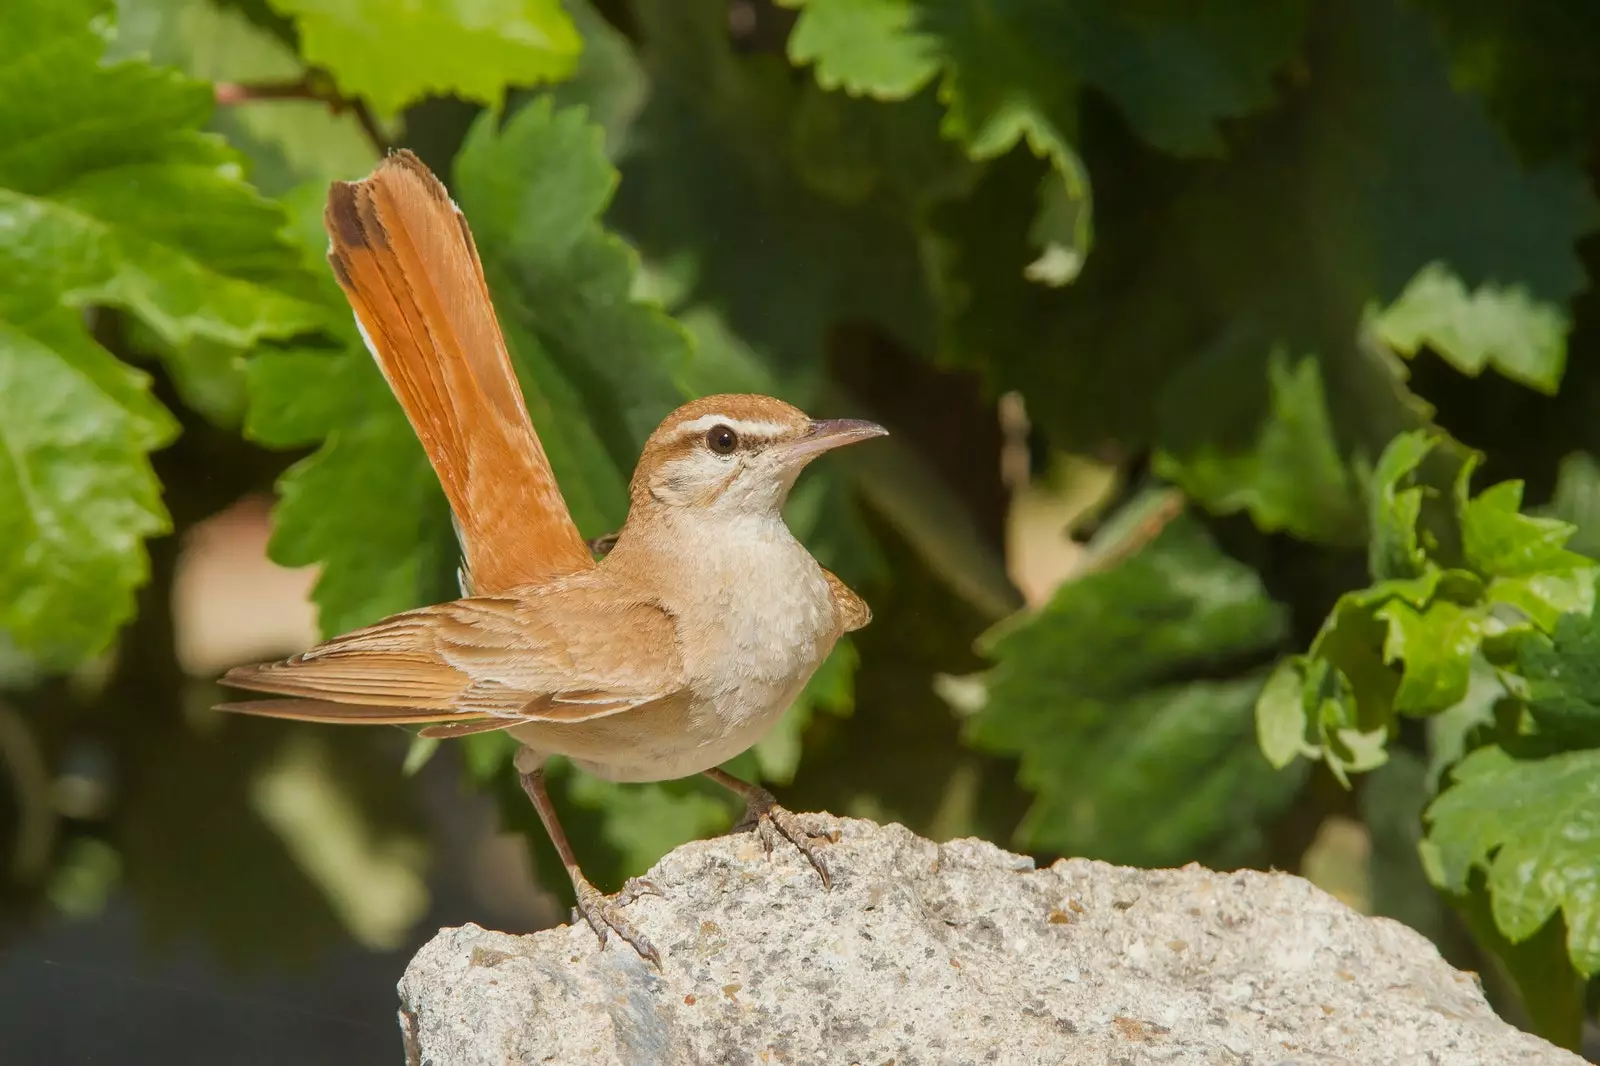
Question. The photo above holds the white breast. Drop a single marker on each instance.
(762, 623)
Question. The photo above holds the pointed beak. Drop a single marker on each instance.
(826, 434)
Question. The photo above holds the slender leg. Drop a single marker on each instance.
(601, 913)
(762, 813)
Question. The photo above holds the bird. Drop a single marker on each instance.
(660, 658)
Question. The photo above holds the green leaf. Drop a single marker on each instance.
(866, 47)
(1494, 326)
(1437, 646)
(710, 192)
(1526, 556)
(1533, 826)
(1337, 702)
(1550, 991)
(366, 506)
(1563, 679)
(1532, 64)
(298, 139)
(145, 214)
(1089, 691)
(1395, 551)
(77, 495)
(641, 823)
(394, 55)
(1202, 272)
(1292, 477)
(1175, 70)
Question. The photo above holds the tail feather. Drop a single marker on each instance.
(405, 257)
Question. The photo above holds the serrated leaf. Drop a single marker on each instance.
(1500, 541)
(77, 495)
(1525, 556)
(1337, 703)
(1174, 70)
(1493, 326)
(708, 190)
(143, 213)
(1201, 272)
(866, 47)
(1534, 827)
(396, 54)
(1088, 691)
(1563, 679)
(1292, 477)
(1437, 646)
(1395, 551)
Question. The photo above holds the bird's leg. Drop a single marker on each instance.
(762, 813)
(603, 914)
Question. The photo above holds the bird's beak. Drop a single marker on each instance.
(825, 434)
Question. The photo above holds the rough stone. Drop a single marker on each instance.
(955, 954)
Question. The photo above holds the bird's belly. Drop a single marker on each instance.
(730, 706)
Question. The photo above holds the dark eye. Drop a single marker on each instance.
(722, 440)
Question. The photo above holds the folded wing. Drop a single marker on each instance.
(479, 663)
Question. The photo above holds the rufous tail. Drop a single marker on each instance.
(405, 257)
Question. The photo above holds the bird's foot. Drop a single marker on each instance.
(604, 913)
(763, 814)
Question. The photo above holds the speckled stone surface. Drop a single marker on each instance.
(953, 954)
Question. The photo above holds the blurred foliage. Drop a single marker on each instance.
(1297, 272)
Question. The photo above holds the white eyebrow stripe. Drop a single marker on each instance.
(738, 425)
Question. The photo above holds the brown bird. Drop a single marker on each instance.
(675, 652)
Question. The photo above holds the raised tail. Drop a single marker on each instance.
(404, 255)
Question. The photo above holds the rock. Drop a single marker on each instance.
(956, 953)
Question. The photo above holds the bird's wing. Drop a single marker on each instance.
(853, 610)
(560, 655)
(404, 255)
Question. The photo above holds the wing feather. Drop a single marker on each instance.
(566, 655)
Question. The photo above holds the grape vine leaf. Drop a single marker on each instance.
(1013, 75)
(708, 189)
(1291, 477)
(1562, 672)
(866, 47)
(394, 55)
(1412, 643)
(147, 215)
(1493, 326)
(1533, 826)
(1097, 695)
(1259, 265)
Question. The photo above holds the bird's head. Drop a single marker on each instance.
(735, 455)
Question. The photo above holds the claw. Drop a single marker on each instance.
(769, 819)
(604, 915)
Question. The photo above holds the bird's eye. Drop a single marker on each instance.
(722, 440)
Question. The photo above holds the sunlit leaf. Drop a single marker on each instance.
(143, 213)
(395, 54)
(1534, 827)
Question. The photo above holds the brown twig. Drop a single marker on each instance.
(310, 87)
